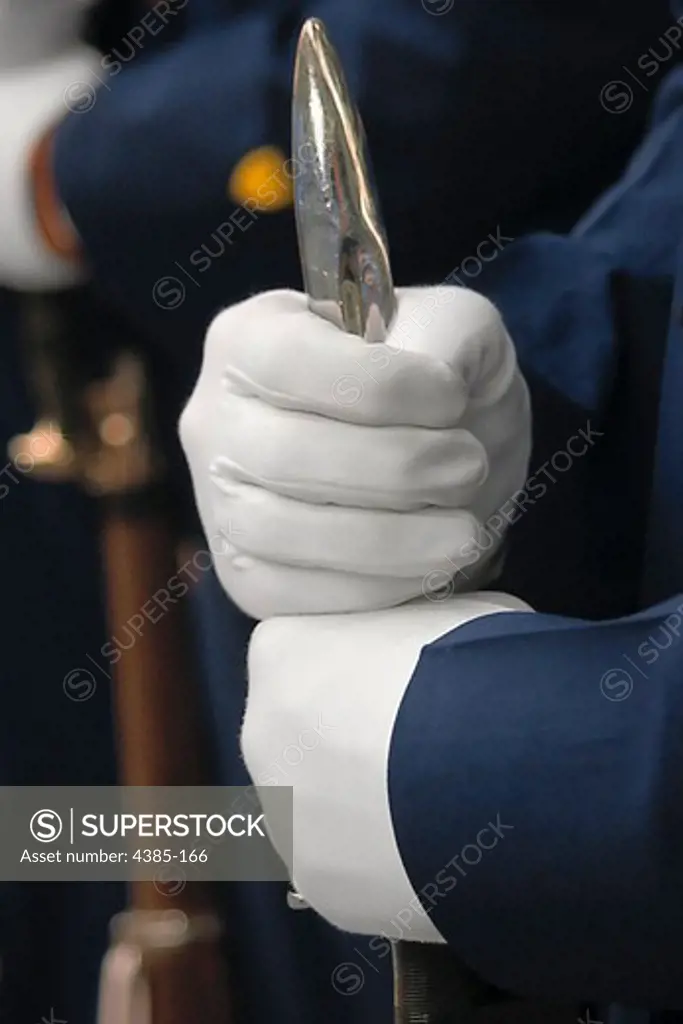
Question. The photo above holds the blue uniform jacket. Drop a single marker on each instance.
(563, 735)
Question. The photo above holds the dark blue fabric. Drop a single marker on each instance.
(52, 936)
(664, 569)
(514, 724)
(563, 737)
(477, 121)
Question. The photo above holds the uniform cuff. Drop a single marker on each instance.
(347, 862)
(31, 101)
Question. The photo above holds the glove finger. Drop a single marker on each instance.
(368, 542)
(461, 329)
(505, 433)
(264, 589)
(276, 350)
(309, 458)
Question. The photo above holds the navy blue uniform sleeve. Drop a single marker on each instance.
(555, 292)
(589, 314)
(536, 784)
(476, 119)
(536, 767)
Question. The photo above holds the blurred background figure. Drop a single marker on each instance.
(144, 184)
(55, 722)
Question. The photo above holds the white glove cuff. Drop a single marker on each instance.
(342, 821)
(31, 99)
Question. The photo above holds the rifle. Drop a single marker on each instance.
(347, 275)
(165, 964)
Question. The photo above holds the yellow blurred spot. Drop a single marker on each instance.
(261, 182)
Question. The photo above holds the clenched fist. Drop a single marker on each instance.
(336, 476)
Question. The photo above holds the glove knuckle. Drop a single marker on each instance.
(252, 746)
(221, 329)
(190, 427)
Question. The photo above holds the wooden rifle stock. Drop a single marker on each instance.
(166, 965)
(171, 928)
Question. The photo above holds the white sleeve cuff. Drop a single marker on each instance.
(347, 864)
(32, 99)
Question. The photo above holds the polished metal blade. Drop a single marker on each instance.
(342, 242)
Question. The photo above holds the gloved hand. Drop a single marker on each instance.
(36, 31)
(44, 73)
(340, 476)
(324, 695)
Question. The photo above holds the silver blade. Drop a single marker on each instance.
(342, 243)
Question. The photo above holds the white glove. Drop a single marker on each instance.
(324, 694)
(44, 73)
(344, 476)
(35, 31)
